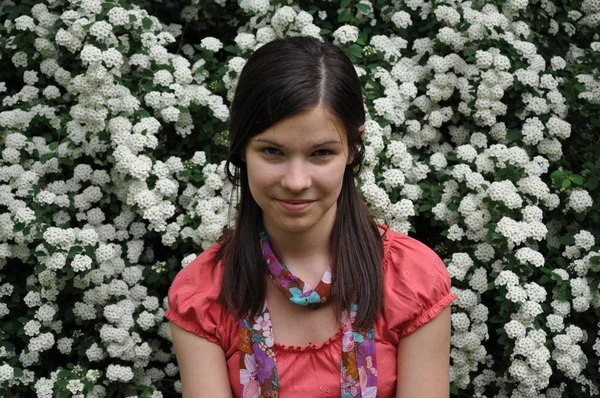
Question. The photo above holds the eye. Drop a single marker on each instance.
(270, 151)
(322, 153)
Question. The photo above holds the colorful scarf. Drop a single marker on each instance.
(258, 365)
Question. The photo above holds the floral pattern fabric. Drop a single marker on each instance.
(258, 365)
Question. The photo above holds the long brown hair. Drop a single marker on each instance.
(282, 77)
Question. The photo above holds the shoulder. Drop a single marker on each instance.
(404, 253)
(202, 270)
(416, 283)
(193, 295)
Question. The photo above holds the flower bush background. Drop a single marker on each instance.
(483, 141)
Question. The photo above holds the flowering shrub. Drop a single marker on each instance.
(482, 141)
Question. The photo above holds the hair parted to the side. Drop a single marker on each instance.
(281, 78)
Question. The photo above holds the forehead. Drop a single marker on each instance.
(306, 127)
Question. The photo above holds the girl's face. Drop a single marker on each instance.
(296, 168)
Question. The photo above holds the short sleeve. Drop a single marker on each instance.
(416, 284)
(193, 298)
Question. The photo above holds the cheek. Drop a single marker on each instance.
(334, 179)
(260, 176)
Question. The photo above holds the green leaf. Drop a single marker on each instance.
(365, 8)
(580, 88)
(47, 156)
(148, 86)
(153, 278)
(594, 285)
(577, 179)
(512, 135)
(566, 184)
(453, 389)
(592, 183)
(185, 173)
(9, 346)
(344, 3)
(497, 319)
(53, 146)
(558, 176)
(143, 113)
(355, 50)
(345, 16)
(68, 161)
(595, 122)
(18, 372)
(231, 49)
(566, 240)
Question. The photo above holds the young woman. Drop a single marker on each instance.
(307, 296)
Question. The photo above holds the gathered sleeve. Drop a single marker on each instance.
(416, 284)
(193, 298)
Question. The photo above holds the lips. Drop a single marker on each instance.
(294, 205)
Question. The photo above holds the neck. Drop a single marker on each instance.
(304, 252)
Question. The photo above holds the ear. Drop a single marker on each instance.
(361, 131)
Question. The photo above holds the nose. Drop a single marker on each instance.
(297, 176)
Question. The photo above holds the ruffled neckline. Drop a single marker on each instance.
(311, 347)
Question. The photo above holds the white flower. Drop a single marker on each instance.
(260, 7)
(6, 372)
(81, 263)
(515, 329)
(558, 63)
(211, 44)
(466, 153)
(535, 292)
(460, 322)
(401, 19)
(455, 233)
(526, 255)
(580, 200)
(163, 78)
(245, 41)
(507, 278)
(32, 328)
(91, 54)
(101, 30)
(43, 342)
(584, 240)
(345, 34)
(466, 299)
(119, 373)
(516, 294)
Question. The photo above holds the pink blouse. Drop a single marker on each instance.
(416, 290)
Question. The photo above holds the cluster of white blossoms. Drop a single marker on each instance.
(470, 329)
(463, 135)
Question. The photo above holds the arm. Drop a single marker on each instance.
(424, 360)
(202, 365)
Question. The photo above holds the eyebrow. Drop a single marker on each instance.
(283, 146)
